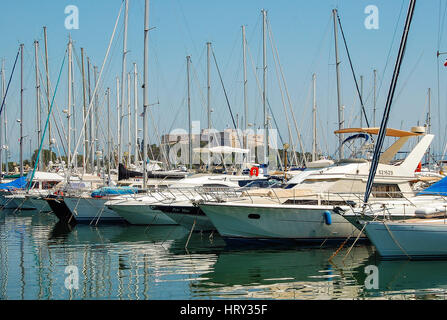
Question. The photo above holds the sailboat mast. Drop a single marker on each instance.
(73, 114)
(90, 122)
(39, 124)
(129, 123)
(361, 95)
(1, 130)
(145, 90)
(208, 49)
(21, 110)
(188, 62)
(69, 102)
(50, 146)
(337, 67)
(314, 118)
(123, 76)
(429, 125)
(118, 115)
(5, 119)
(84, 113)
(244, 54)
(374, 102)
(96, 119)
(135, 111)
(264, 98)
(108, 135)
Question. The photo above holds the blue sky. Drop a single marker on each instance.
(302, 32)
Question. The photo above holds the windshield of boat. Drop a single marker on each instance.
(359, 146)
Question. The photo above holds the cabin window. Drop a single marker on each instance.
(254, 216)
(380, 190)
(49, 184)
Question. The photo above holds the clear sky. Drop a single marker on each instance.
(301, 30)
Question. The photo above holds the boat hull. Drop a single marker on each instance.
(395, 240)
(188, 216)
(141, 214)
(278, 224)
(40, 204)
(87, 210)
(19, 202)
(60, 209)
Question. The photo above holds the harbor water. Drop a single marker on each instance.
(41, 259)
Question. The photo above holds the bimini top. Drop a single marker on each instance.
(19, 183)
(389, 132)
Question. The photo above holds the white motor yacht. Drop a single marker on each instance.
(304, 210)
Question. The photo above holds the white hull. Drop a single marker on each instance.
(282, 222)
(138, 213)
(408, 240)
(86, 210)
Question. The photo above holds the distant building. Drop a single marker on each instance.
(228, 137)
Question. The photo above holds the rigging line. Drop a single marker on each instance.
(260, 92)
(441, 27)
(98, 81)
(353, 72)
(274, 119)
(226, 96)
(9, 82)
(386, 113)
(46, 124)
(54, 117)
(197, 82)
(163, 151)
(56, 106)
(409, 76)
(278, 63)
(389, 51)
(283, 102)
(317, 56)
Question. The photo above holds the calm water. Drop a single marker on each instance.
(132, 262)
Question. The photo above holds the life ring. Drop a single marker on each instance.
(254, 171)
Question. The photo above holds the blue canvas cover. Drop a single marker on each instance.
(107, 191)
(19, 183)
(438, 188)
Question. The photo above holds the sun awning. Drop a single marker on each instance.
(389, 132)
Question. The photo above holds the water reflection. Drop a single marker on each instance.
(133, 262)
(405, 279)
